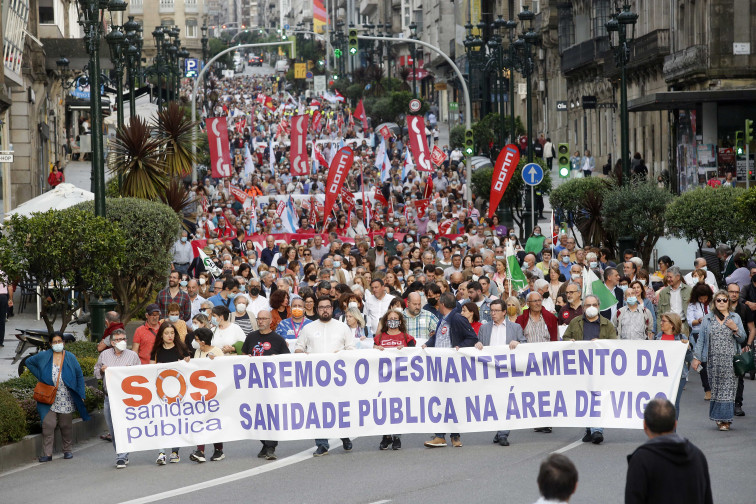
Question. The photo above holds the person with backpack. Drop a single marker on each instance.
(634, 321)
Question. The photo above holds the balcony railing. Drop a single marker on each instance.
(584, 54)
(191, 6)
(166, 6)
(689, 62)
(136, 7)
(648, 49)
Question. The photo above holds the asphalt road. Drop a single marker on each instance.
(479, 472)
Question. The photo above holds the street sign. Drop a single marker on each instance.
(414, 105)
(6, 158)
(308, 75)
(286, 27)
(589, 102)
(532, 174)
(453, 105)
(191, 66)
(319, 82)
(561, 106)
(300, 70)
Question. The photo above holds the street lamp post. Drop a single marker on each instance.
(413, 36)
(158, 35)
(618, 24)
(132, 61)
(204, 40)
(523, 47)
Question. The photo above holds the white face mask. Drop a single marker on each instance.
(591, 311)
(120, 346)
(195, 345)
(202, 281)
(57, 347)
(241, 308)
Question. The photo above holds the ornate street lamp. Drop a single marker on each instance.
(619, 23)
(523, 47)
(132, 61)
(413, 36)
(159, 37)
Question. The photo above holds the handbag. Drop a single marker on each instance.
(743, 363)
(45, 393)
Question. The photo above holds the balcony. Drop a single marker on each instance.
(368, 7)
(584, 54)
(166, 7)
(686, 64)
(136, 7)
(191, 6)
(646, 50)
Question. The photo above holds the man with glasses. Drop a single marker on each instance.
(574, 306)
(325, 335)
(675, 297)
(265, 342)
(117, 355)
(589, 327)
(747, 316)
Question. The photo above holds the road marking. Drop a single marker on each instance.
(381, 501)
(278, 464)
(569, 446)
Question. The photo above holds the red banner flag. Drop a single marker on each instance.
(240, 195)
(337, 174)
(359, 113)
(385, 132)
(299, 161)
(445, 227)
(347, 198)
(316, 120)
(269, 103)
(220, 153)
(506, 164)
(379, 196)
(422, 207)
(418, 142)
(438, 156)
(428, 192)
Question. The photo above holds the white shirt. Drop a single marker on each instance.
(675, 301)
(227, 336)
(711, 281)
(375, 309)
(254, 306)
(499, 334)
(196, 308)
(329, 337)
(182, 252)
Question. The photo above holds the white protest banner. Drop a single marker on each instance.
(603, 383)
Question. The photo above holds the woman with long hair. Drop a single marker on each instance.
(471, 312)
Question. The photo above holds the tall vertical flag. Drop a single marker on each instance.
(210, 266)
(220, 150)
(592, 285)
(272, 156)
(289, 218)
(517, 278)
(406, 165)
(337, 174)
(249, 164)
(298, 158)
(418, 142)
(319, 17)
(359, 113)
(381, 161)
(506, 165)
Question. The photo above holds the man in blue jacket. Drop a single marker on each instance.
(453, 331)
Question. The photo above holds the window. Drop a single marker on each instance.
(566, 27)
(46, 12)
(16, 17)
(166, 22)
(191, 28)
(601, 10)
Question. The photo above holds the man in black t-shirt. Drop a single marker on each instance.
(264, 341)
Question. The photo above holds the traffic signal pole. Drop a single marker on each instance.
(465, 91)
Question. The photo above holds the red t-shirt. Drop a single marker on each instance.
(668, 337)
(145, 336)
(394, 340)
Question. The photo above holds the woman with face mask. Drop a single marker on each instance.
(203, 348)
(59, 369)
(633, 321)
(514, 309)
(173, 311)
(535, 241)
(204, 285)
(240, 316)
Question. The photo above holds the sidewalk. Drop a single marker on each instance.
(79, 173)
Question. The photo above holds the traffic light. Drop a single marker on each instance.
(337, 53)
(739, 143)
(469, 143)
(353, 41)
(748, 131)
(283, 34)
(563, 160)
(335, 77)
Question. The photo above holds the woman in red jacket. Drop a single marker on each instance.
(56, 175)
(471, 312)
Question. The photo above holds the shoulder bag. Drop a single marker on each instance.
(45, 393)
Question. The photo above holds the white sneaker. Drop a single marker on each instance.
(161, 459)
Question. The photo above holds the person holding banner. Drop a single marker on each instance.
(453, 331)
(203, 348)
(168, 348)
(326, 335)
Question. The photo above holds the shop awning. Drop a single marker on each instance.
(73, 103)
(421, 74)
(673, 100)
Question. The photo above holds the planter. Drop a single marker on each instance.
(29, 448)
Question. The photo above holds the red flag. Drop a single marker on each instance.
(260, 98)
(445, 226)
(351, 121)
(319, 156)
(313, 212)
(438, 156)
(269, 103)
(337, 174)
(379, 196)
(347, 198)
(418, 143)
(240, 195)
(428, 192)
(316, 120)
(299, 161)
(339, 96)
(220, 153)
(506, 164)
(421, 206)
(359, 113)
(385, 132)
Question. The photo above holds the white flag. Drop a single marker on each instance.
(210, 266)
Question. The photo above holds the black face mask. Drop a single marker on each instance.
(454, 286)
(312, 278)
(432, 301)
(254, 291)
(379, 248)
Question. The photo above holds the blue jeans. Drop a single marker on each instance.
(503, 433)
(324, 442)
(596, 429)
(679, 396)
(109, 421)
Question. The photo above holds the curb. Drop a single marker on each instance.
(29, 448)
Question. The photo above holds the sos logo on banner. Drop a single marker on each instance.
(220, 154)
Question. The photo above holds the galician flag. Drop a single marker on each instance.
(592, 285)
(209, 264)
(517, 278)
(289, 218)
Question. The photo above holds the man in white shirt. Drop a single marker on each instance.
(376, 304)
(325, 335)
(700, 263)
(192, 289)
(182, 253)
(256, 301)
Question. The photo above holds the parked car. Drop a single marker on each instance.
(255, 60)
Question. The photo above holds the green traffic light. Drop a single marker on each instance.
(335, 77)
(740, 151)
(352, 50)
(337, 53)
(564, 172)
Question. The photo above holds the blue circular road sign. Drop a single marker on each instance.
(532, 174)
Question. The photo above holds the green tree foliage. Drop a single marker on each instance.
(710, 214)
(151, 229)
(514, 196)
(12, 419)
(62, 250)
(746, 206)
(391, 108)
(217, 45)
(136, 155)
(637, 210)
(457, 136)
(583, 199)
(175, 131)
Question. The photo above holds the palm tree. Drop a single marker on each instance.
(175, 130)
(137, 156)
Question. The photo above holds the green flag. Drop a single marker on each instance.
(515, 274)
(592, 285)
